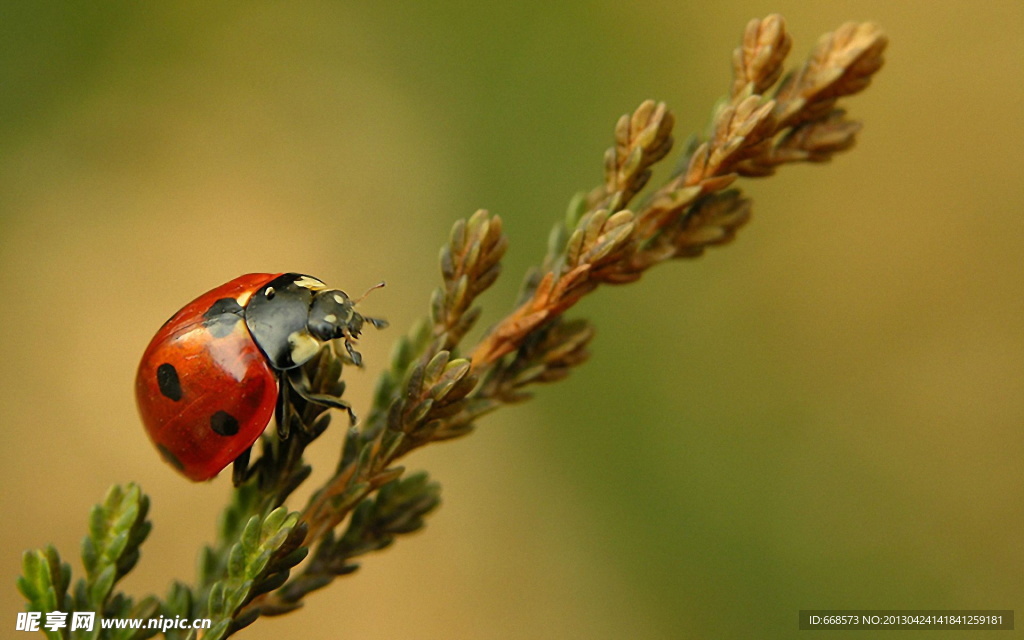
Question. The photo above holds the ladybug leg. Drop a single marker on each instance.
(282, 412)
(357, 358)
(240, 471)
(351, 333)
(299, 385)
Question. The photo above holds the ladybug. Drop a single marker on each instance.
(216, 372)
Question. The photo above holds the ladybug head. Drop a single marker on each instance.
(333, 315)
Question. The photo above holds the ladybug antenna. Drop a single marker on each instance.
(378, 323)
(363, 297)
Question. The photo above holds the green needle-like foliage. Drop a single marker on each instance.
(267, 559)
(44, 582)
(259, 562)
(117, 527)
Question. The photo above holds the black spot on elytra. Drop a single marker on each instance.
(167, 380)
(222, 306)
(224, 424)
(170, 457)
(222, 316)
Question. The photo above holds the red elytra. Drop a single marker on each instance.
(212, 376)
(206, 396)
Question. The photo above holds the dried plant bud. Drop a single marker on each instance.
(641, 139)
(757, 63)
(741, 131)
(608, 242)
(665, 205)
(550, 355)
(841, 64)
(470, 263)
(563, 347)
(600, 242)
(855, 49)
(597, 239)
(714, 220)
(817, 141)
(433, 391)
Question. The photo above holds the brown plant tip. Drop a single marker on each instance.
(549, 356)
(750, 136)
(741, 131)
(714, 220)
(599, 239)
(596, 252)
(470, 263)
(841, 64)
(757, 62)
(641, 139)
(817, 141)
(664, 206)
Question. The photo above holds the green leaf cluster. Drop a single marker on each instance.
(117, 528)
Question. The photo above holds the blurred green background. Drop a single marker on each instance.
(826, 414)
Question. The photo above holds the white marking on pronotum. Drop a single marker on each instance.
(302, 346)
(339, 299)
(330, 317)
(308, 282)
